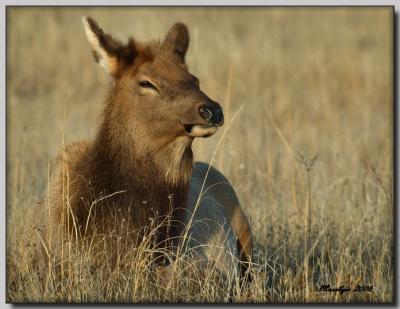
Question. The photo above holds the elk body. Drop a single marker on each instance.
(140, 165)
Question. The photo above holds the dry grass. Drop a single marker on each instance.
(311, 81)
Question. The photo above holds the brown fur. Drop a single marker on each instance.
(139, 166)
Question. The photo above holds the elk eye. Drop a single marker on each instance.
(147, 84)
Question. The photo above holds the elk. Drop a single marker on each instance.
(141, 162)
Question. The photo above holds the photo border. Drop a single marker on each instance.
(217, 3)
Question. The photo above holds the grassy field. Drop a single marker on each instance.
(302, 82)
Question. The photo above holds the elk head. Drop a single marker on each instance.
(156, 107)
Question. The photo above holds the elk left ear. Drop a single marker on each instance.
(177, 40)
(111, 54)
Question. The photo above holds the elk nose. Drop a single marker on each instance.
(212, 113)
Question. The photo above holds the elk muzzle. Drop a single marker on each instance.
(211, 118)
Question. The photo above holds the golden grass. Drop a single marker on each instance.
(309, 81)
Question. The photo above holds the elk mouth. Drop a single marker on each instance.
(200, 130)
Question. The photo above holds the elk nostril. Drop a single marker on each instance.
(205, 112)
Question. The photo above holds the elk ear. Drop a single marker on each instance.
(177, 40)
(107, 51)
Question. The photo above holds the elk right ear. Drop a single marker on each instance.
(177, 40)
(107, 51)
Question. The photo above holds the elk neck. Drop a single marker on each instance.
(156, 175)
